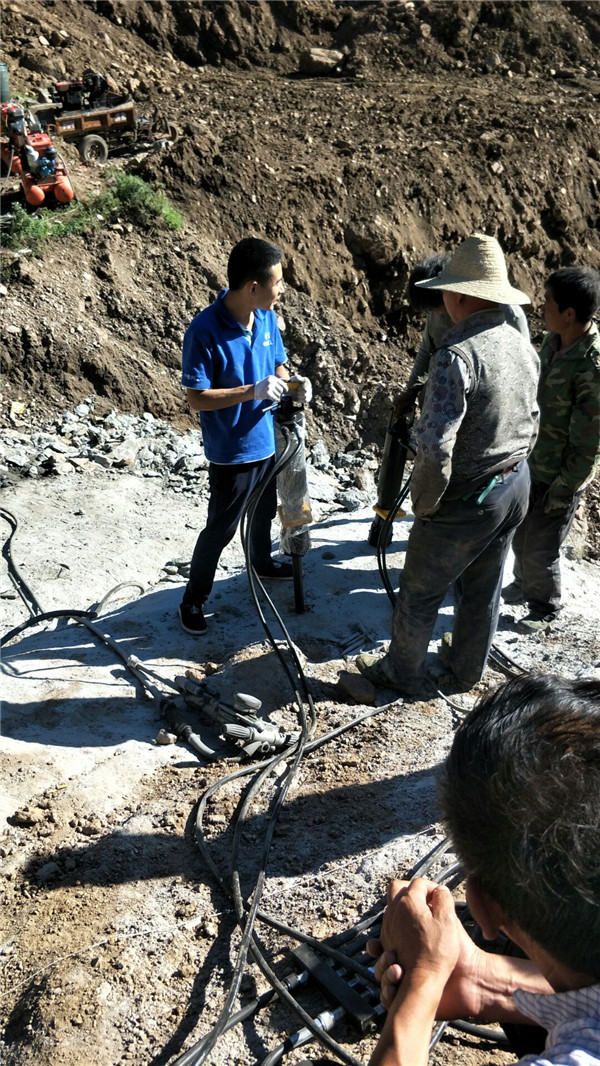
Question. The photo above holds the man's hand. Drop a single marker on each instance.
(553, 506)
(270, 388)
(301, 388)
(420, 929)
(404, 404)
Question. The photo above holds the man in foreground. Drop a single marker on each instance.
(470, 483)
(521, 799)
(566, 454)
(234, 373)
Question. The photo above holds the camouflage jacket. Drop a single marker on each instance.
(567, 452)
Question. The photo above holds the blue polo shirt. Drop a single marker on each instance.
(218, 353)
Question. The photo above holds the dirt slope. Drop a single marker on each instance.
(444, 119)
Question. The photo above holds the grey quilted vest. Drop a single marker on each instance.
(500, 423)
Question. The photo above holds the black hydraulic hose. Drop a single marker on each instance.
(257, 955)
(47, 616)
(303, 1015)
(252, 1008)
(480, 1031)
(254, 579)
(505, 662)
(312, 745)
(424, 864)
(420, 868)
(244, 910)
(136, 667)
(33, 605)
(138, 670)
(250, 917)
(324, 1021)
(384, 539)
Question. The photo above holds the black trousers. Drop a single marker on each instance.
(536, 545)
(230, 488)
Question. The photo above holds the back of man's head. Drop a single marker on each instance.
(430, 267)
(521, 796)
(576, 287)
(251, 260)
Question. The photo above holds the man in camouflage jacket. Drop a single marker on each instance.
(566, 455)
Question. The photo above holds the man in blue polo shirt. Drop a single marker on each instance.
(233, 372)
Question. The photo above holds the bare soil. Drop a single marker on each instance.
(441, 120)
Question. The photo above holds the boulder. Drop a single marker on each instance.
(319, 61)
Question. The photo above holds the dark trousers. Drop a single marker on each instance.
(230, 488)
(537, 546)
(464, 543)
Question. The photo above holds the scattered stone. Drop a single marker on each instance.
(47, 872)
(356, 686)
(163, 737)
(28, 816)
(318, 61)
(320, 456)
(352, 500)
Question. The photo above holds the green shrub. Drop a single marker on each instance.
(141, 202)
(126, 198)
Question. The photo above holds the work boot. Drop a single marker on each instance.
(191, 618)
(377, 670)
(441, 664)
(450, 684)
(276, 571)
(513, 593)
(533, 623)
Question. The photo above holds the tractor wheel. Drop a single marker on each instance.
(93, 149)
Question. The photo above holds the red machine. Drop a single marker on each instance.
(28, 153)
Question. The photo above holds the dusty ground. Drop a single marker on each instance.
(114, 932)
(443, 119)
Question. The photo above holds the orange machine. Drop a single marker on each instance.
(28, 153)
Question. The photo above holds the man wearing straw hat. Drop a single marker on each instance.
(470, 481)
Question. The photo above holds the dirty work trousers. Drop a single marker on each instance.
(465, 544)
(537, 546)
(230, 489)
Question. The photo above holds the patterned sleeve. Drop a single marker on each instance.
(444, 406)
(581, 457)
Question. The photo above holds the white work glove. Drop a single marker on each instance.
(271, 388)
(300, 388)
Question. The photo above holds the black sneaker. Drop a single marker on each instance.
(192, 619)
(277, 571)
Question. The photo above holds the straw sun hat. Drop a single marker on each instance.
(477, 268)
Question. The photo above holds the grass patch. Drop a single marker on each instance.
(126, 198)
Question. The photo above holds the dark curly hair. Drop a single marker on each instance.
(521, 798)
